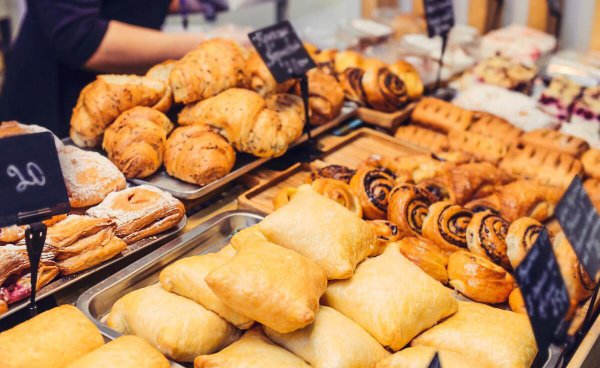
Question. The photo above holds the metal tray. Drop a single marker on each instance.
(66, 281)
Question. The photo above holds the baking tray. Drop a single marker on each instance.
(208, 237)
(66, 281)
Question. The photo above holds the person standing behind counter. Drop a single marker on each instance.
(63, 44)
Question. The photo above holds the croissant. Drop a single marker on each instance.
(373, 186)
(211, 68)
(425, 254)
(103, 100)
(197, 155)
(161, 72)
(486, 236)
(446, 225)
(135, 142)
(410, 77)
(407, 207)
(479, 279)
(260, 78)
(252, 124)
(520, 237)
(325, 97)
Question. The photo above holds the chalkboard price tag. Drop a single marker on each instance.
(544, 291)
(282, 50)
(32, 187)
(435, 362)
(440, 16)
(580, 221)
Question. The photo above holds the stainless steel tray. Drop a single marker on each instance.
(66, 281)
(243, 165)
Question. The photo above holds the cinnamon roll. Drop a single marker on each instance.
(516, 301)
(283, 197)
(407, 207)
(373, 187)
(386, 232)
(479, 279)
(486, 236)
(339, 192)
(425, 254)
(578, 282)
(446, 225)
(337, 172)
(520, 237)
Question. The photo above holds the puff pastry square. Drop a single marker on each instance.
(391, 298)
(253, 350)
(333, 340)
(488, 335)
(421, 356)
(322, 230)
(178, 327)
(186, 278)
(270, 284)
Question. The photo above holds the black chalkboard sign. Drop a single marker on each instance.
(554, 7)
(32, 187)
(282, 50)
(544, 291)
(435, 362)
(440, 16)
(580, 221)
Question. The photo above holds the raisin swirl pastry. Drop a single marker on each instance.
(408, 206)
(446, 225)
(386, 232)
(486, 236)
(479, 279)
(373, 187)
(337, 172)
(425, 254)
(520, 237)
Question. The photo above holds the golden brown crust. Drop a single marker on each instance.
(479, 279)
(410, 77)
(425, 254)
(520, 237)
(482, 147)
(347, 59)
(162, 71)
(386, 232)
(592, 188)
(591, 163)
(422, 137)
(283, 197)
(496, 127)
(373, 187)
(407, 208)
(337, 172)
(446, 225)
(325, 97)
(104, 251)
(578, 282)
(441, 115)
(340, 192)
(197, 155)
(261, 80)
(516, 301)
(555, 140)
(486, 236)
(542, 165)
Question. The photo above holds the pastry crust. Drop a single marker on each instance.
(407, 208)
(482, 147)
(325, 97)
(253, 350)
(496, 127)
(89, 176)
(410, 77)
(592, 188)
(347, 59)
(441, 115)
(424, 138)
(446, 225)
(373, 187)
(140, 212)
(260, 79)
(12, 128)
(498, 338)
(60, 336)
(162, 71)
(555, 140)
(516, 302)
(185, 277)
(425, 254)
(395, 316)
(486, 236)
(322, 230)
(386, 232)
(333, 340)
(521, 236)
(479, 279)
(337, 172)
(340, 192)
(178, 327)
(421, 356)
(272, 285)
(578, 282)
(123, 352)
(591, 163)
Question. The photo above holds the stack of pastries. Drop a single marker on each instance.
(313, 285)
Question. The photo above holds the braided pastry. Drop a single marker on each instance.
(486, 236)
(211, 68)
(520, 237)
(479, 279)
(578, 282)
(446, 225)
(480, 146)
(339, 192)
(135, 142)
(425, 254)
(422, 137)
(373, 186)
(496, 127)
(555, 140)
(386, 232)
(337, 172)
(441, 115)
(407, 207)
(197, 155)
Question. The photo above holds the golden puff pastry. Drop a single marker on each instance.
(253, 350)
(488, 335)
(391, 298)
(186, 278)
(333, 340)
(270, 284)
(60, 336)
(178, 327)
(421, 356)
(123, 352)
(425, 254)
(322, 230)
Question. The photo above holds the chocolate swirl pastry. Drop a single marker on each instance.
(374, 86)
(337, 172)
(490, 203)
(339, 192)
(351, 81)
(386, 232)
(403, 175)
(425, 254)
(408, 206)
(446, 225)
(578, 282)
(520, 237)
(373, 187)
(486, 236)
